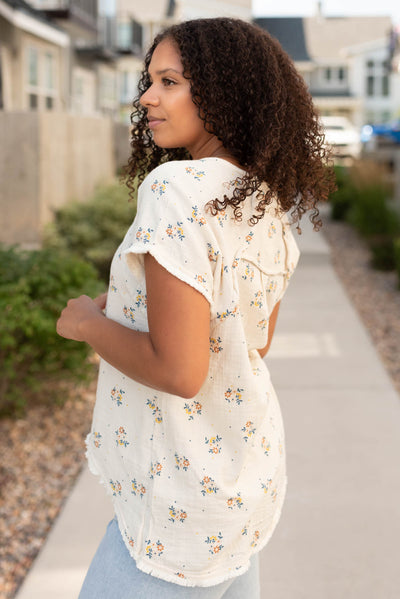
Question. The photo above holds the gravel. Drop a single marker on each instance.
(41, 456)
(374, 293)
(43, 452)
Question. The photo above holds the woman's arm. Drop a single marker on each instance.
(173, 356)
(271, 327)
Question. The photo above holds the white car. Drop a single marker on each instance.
(342, 136)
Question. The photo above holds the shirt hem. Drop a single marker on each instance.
(190, 579)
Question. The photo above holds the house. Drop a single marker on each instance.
(33, 54)
(344, 61)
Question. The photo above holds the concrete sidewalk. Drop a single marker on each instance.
(339, 534)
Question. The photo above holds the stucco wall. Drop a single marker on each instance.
(48, 159)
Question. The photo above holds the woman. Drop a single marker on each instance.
(187, 433)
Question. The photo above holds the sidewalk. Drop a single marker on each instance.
(339, 534)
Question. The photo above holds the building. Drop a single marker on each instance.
(33, 59)
(345, 62)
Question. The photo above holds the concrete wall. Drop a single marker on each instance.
(48, 159)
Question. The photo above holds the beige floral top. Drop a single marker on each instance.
(197, 485)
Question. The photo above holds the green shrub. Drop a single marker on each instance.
(341, 199)
(371, 215)
(93, 230)
(34, 288)
(396, 251)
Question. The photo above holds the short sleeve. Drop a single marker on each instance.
(171, 226)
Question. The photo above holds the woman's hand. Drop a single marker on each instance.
(80, 311)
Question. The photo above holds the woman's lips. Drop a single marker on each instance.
(154, 122)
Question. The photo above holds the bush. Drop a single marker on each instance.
(34, 288)
(93, 230)
(342, 198)
(371, 215)
(396, 250)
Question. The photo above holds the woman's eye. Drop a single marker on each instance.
(168, 82)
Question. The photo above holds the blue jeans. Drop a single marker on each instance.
(113, 575)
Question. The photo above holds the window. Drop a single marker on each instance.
(137, 34)
(33, 60)
(124, 35)
(377, 79)
(334, 77)
(49, 71)
(41, 86)
(33, 101)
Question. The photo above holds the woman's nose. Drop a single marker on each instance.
(149, 98)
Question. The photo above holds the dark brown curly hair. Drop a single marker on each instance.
(251, 97)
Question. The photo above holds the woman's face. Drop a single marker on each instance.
(172, 115)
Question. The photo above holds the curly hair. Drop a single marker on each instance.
(249, 95)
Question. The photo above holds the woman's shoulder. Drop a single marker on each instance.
(194, 170)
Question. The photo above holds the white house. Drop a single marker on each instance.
(344, 62)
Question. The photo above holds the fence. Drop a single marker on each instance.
(48, 159)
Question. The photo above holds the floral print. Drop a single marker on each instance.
(117, 395)
(137, 488)
(154, 549)
(141, 299)
(116, 487)
(257, 301)
(214, 443)
(144, 235)
(227, 312)
(176, 515)
(192, 409)
(249, 429)
(112, 284)
(155, 410)
(215, 345)
(248, 273)
(155, 469)
(265, 445)
(159, 187)
(193, 479)
(175, 231)
(271, 229)
(262, 324)
(215, 543)
(129, 313)
(212, 254)
(198, 175)
(233, 395)
(209, 486)
(121, 437)
(96, 439)
(181, 462)
(266, 486)
(235, 502)
(195, 218)
(221, 216)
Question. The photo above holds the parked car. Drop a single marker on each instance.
(342, 136)
(390, 131)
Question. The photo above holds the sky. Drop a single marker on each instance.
(330, 8)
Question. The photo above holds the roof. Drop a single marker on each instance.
(289, 31)
(324, 38)
(327, 37)
(27, 9)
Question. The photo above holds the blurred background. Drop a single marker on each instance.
(68, 73)
(69, 70)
